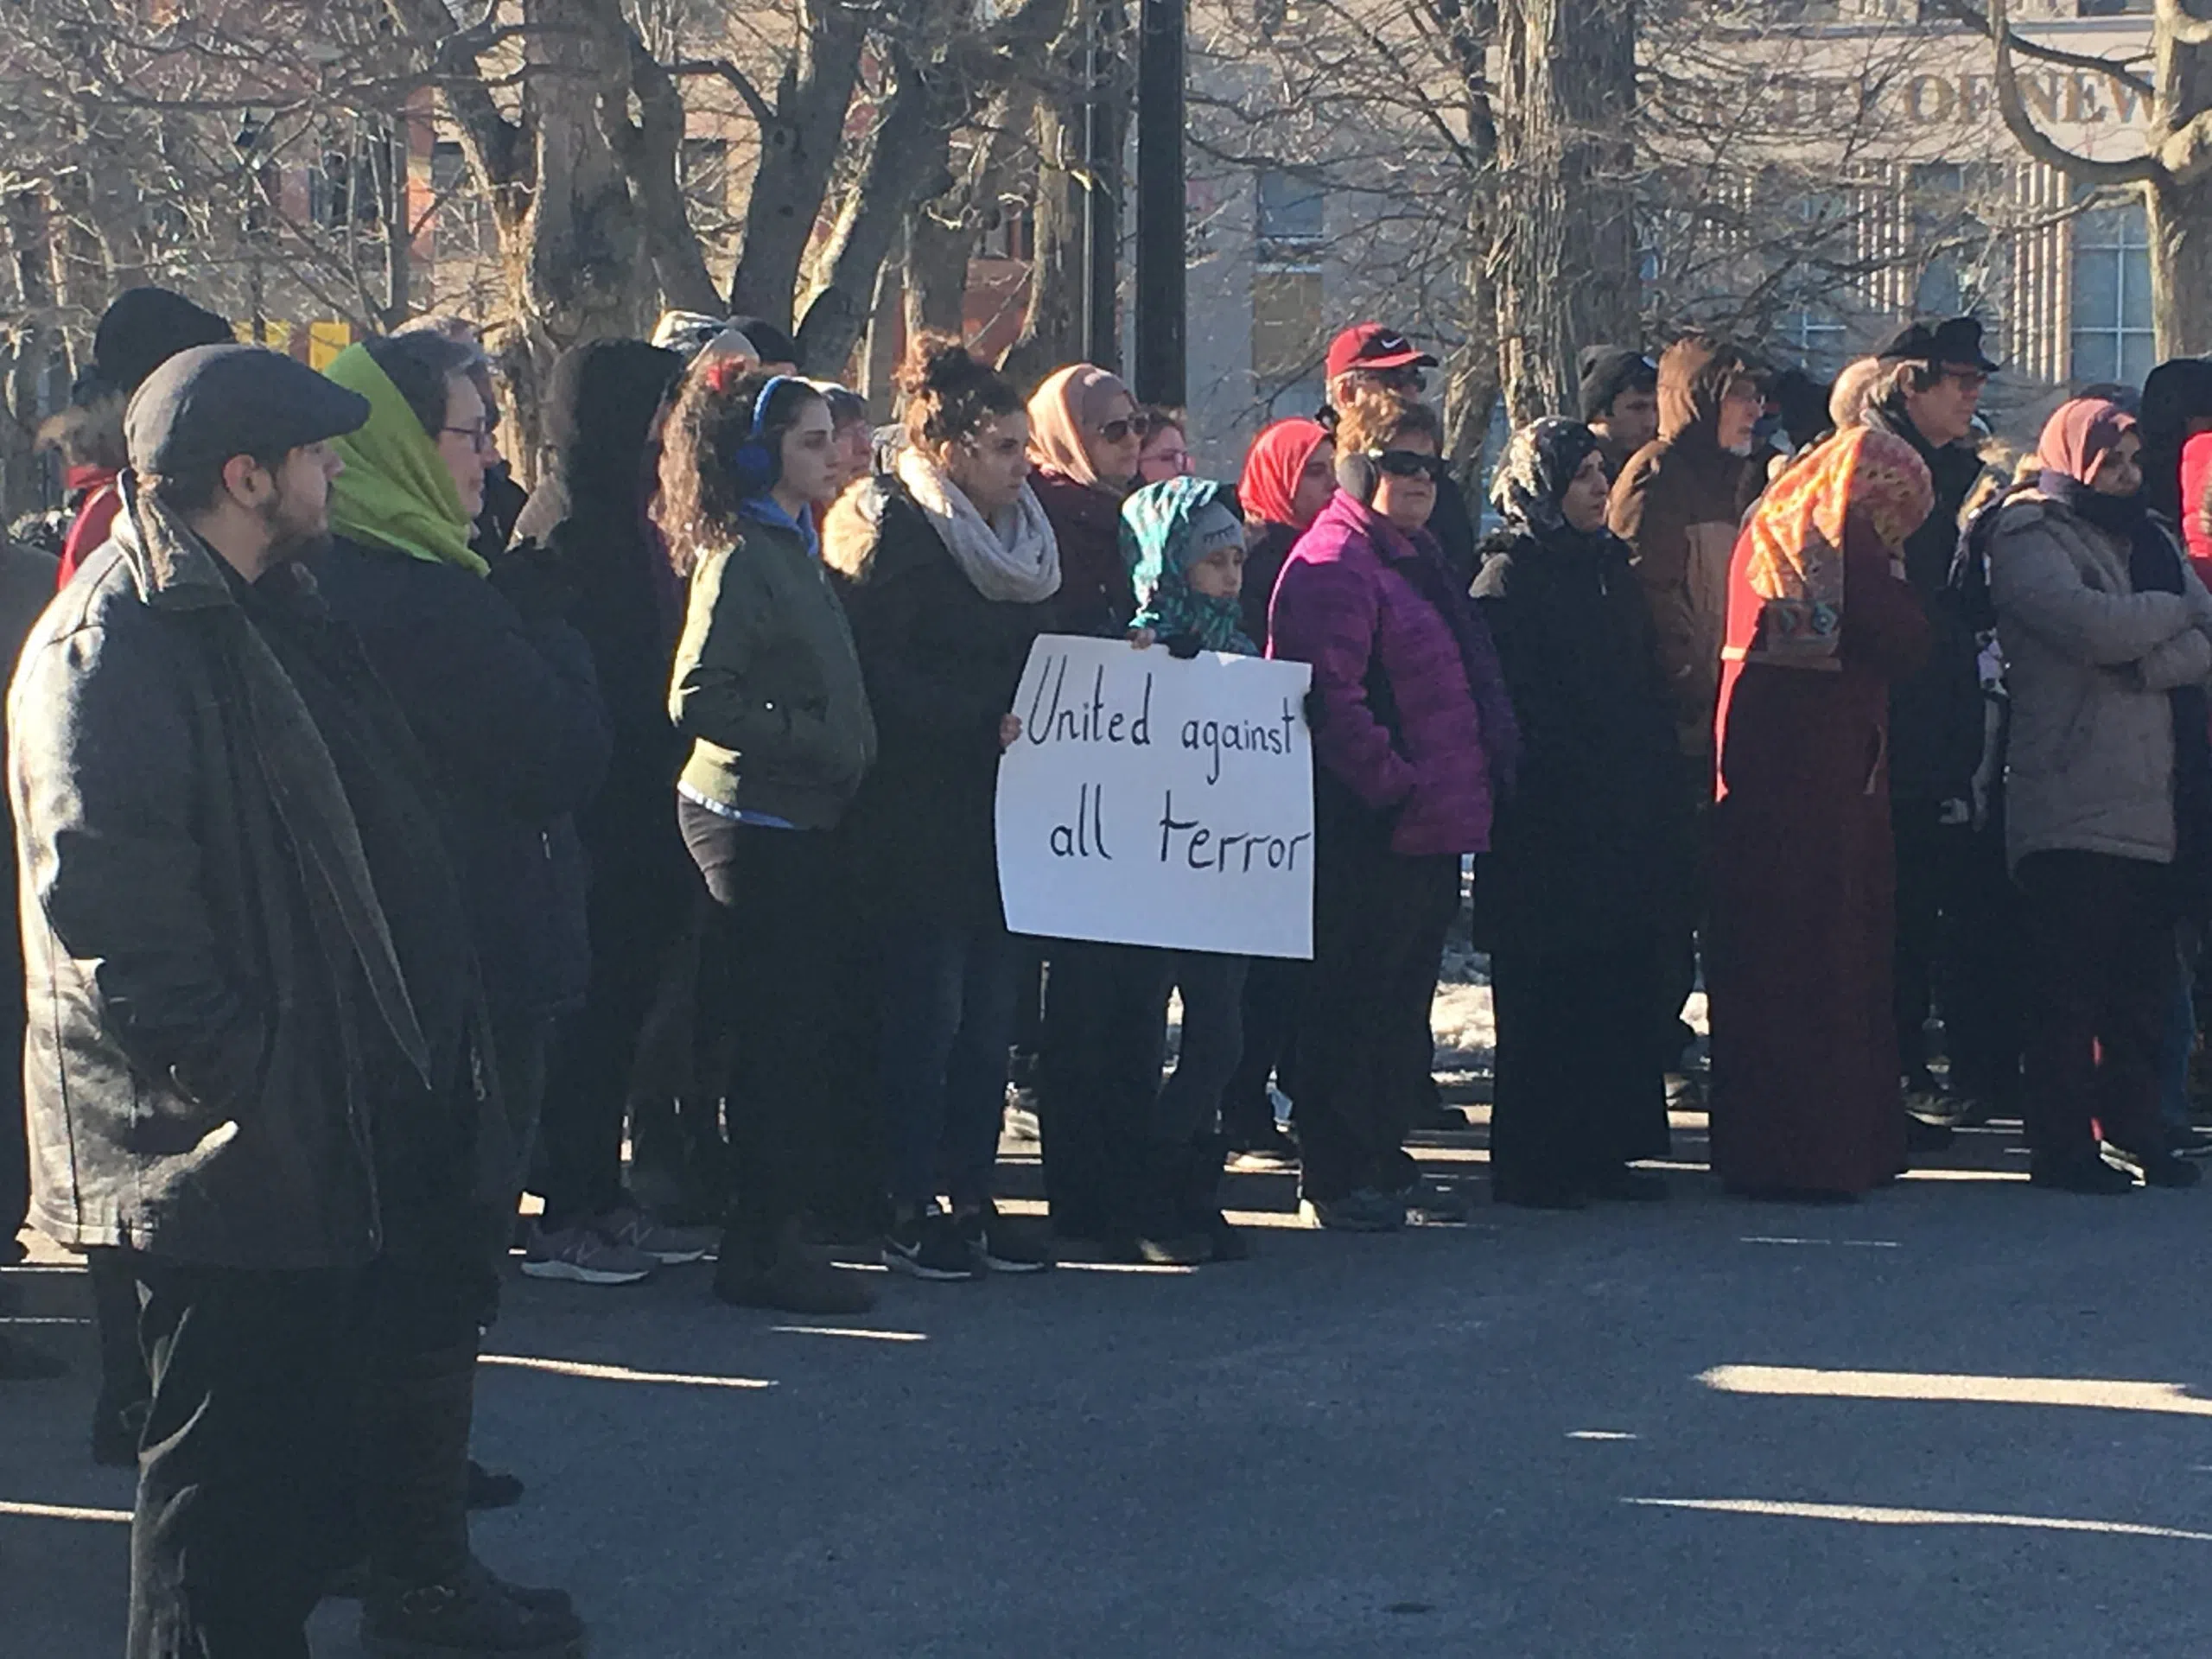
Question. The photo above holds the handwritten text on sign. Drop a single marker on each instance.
(1150, 801)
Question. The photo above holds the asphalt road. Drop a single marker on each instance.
(1963, 1418)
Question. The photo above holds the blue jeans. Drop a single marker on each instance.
(948, 994)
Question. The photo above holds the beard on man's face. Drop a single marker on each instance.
(295, 533)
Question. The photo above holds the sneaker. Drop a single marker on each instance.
(2158, 1168)
(2085, 1173)
(2192, 1142)
(583, 1256)
(1365, 1210)
(672, 1247)
(474, 1617)
(929, 1246)
(1000, 1244)
(1265, 1149)
(1430, 1204)
(1164, 1247)
(1685, 1092)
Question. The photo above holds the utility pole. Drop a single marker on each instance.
(1103, 131)
(1162, 302)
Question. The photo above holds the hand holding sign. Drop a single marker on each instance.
(1151, 800)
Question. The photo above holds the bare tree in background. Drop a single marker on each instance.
(2173, 176)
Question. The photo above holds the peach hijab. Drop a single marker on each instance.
(1072, 402)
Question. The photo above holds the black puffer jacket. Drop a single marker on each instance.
(211, 973)
(1935, 714)
(504, 702)
(942, 665)
(1593, 840)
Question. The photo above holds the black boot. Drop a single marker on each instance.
(119, 1413)
(429, 1597)
(1202, 1165)
(1162, 1230)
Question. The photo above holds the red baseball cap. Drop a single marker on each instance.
(1370, 346)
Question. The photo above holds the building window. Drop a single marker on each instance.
(461, 222)
(2113, 340)
(1009, 232)
(1818, 338)
(1291, 220)
(1286, 344)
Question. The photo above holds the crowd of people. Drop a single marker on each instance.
(395, 841)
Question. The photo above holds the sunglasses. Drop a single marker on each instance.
(1408, 463)
(1120, 431)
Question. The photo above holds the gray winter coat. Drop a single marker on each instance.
(208, 961)
(2088, 663)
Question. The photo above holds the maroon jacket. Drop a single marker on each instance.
(1397, 720)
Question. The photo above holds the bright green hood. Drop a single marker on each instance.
(395, 490)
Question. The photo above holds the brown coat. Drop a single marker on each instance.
(1678, 505)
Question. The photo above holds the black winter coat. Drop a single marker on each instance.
(1265, 548)
(211, 974)
(508, 714)
(942, 665)
(1936, 729)
(585, 530)
(1592, 847)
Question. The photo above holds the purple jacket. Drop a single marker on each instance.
(1354, 599)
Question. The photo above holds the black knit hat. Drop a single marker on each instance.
(145, 327)
(775, 344)
(1609, 371)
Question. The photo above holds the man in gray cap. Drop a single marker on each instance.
(251, 1011)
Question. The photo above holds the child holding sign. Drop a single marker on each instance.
(1131, 1162)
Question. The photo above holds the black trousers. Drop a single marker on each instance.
(1104, 1041)
(1682, 915)
(780, 934)
(1273, 990)
(2100, 969)
(1578, 1092)
(1928, 853)
(1379, 922)
(243, 1506)
(1983, 1022)
(634, 928)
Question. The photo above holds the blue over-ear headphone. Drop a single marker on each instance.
(757, 464)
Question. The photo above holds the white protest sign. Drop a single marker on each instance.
(1153, 801)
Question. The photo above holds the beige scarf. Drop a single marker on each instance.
(1017, 559)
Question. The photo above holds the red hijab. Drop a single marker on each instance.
(1273, 467)
(2079, 433)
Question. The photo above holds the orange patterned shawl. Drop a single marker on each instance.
(1794, 560)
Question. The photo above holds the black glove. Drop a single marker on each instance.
(1184, 646)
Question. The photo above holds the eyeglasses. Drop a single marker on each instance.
(1119, 431)
(1969, 379)
(1408, 463)
(479, 437)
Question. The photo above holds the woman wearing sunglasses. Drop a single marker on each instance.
(1413, 738)
(1086, 438)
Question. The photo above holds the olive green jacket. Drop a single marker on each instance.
(767, 685)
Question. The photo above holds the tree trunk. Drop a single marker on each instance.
(938, 251)
(907, 163)
(577, 266)
(1567, 242)
(1051, 334)
(2181, 265)
(798, 148)
(2179, 205)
